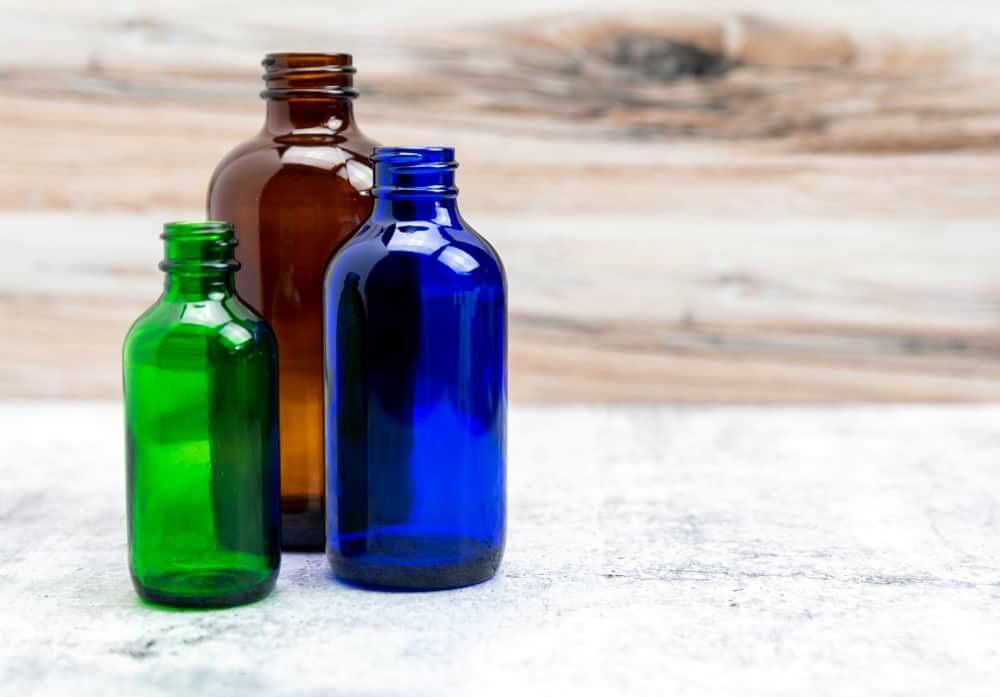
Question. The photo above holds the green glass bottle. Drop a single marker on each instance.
(201, 423)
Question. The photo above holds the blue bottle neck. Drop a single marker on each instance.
(416, 184)
(439, 211)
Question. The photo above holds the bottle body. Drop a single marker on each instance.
(416, 397)
(295, 193)
(200, 396)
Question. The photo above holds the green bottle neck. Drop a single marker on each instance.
(198, 286)
(198, 261)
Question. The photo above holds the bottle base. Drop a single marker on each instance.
(206, 589)
(303, 528)
(413, 562)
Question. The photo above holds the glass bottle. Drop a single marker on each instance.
(295, 192)
(416, 387)
(201, 425)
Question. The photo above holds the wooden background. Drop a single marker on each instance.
(696, 202)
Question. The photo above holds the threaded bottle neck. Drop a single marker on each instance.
(198, 259)
(416, 184)
(308, 75)
(308, 91)
(426, 172)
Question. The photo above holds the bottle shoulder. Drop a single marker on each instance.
(302, 149)
(229, 324)
(255, 158)
(288, 166)
(440, 250)
(483, 243)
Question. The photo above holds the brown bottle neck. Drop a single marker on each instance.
(308, 91)
(334, 114)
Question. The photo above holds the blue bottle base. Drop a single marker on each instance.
(413, 562)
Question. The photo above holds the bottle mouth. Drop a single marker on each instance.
(316, 75)
(198, 245)
(422, 157)
(417, 172)
(196, 228)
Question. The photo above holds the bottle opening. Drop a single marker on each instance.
(183, 228)
(198, 245)
(421, 172)
(316, 75)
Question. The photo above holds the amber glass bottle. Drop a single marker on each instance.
(295, 192)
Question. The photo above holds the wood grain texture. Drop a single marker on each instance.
(683, 552)
(668, 311)
(716, 206)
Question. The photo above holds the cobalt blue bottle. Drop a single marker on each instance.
(416, 387)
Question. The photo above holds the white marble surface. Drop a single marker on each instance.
(694, 551)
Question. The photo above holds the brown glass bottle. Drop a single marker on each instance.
(295, 193)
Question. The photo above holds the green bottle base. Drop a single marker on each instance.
(206, 588)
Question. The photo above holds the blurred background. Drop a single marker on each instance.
(696, 202)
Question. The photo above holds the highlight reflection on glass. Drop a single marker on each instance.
(416, 401)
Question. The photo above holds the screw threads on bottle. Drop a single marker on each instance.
(309, 75)
(193, 246)
(424, 172)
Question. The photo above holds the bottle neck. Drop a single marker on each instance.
(416, 184)
(193, 286)
(439, 211)
(291, 114)
(198, 261)
(308, 91)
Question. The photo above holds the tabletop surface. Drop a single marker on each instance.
(660, 551)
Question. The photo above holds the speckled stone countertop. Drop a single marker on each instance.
(673, 551)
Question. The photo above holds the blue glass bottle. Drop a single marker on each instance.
(416, 387)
